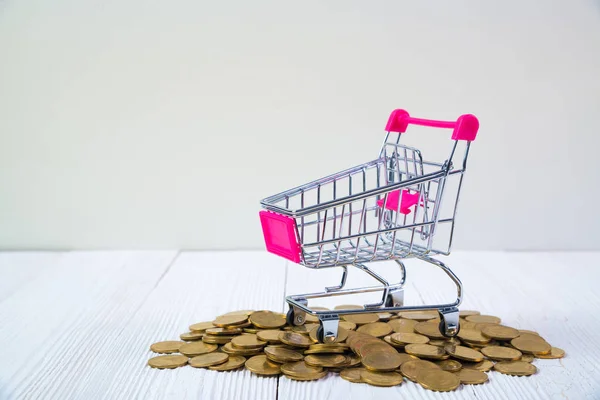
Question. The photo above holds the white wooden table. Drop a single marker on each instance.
(77, 325)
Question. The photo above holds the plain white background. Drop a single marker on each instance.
(153, 124)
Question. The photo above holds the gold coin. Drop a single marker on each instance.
(295, 339)
(310, 377)
(207, 360)
(201, 326)
(248, 341)
(260, 365)
(300, 369)
(341, 336)
(464, 353)
(361, 319)
(304, 329)
(388, 340)
(383, 379)
(429, 329)
(377, 329)
(411, 369)
(403, 325)
(191, 336)
(449, 365)
(325, 360)
(464, 324)
(384, 316)
(314, 318)
(169, 362)
(522, 331)
(196, 348)
(409, 338)
(499, 332)
(382, 361)
(517, 368)
(527, 358)
(438, 380)
(348, 307)
(466, 313)
(240, 312)
(227, 320)
(269, 336)
(501, 353)
(471, 376)
(350, 326)
(425, 351)
(213, 339)
(489, 319)
(473, 336)
(531, 344)
(282, 355)
(267, 319)
(419, 315)
(405, 358)
(167, 347)
(352, 360)
(233, 362)
(484, 365)
(223, 331)
(555, 352)
(229, 349)
(352, 374)
(375, 347)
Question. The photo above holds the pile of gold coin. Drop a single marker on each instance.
(379, 349)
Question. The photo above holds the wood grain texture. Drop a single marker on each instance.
(78, 325)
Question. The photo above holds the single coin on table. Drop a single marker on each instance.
(471, 376)
(517, 368)
(424, 350)
(382, 361)
(483, 319)
(483, 366)
(411, 369)
(171, 361)
(555, 352)
(501, 353)
(167, 347)
(473, 336)
(308, 377)
(267, 319)
(377, 329)
(352, 374)
(527, 358)
(282, 355)
(499, 332)
(233, 362)
(531, 344)
(234, 351)
(429, 329)
(207, 360)
(438, 380)
(383, 379)
(269, 335)
(260, 365)
(300, 369)
(193, 349)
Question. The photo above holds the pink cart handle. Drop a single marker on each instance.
(464, 128)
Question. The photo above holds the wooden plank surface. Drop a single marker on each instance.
(78, 324)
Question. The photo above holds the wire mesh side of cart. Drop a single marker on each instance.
(388, 208)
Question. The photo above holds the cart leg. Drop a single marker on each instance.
(449, 325)
(342, 283)
(328, 328)
(386, 285)
(296, 316)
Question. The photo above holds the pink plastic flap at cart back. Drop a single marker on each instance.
(280, 235)
(464, 128)
(408, 200)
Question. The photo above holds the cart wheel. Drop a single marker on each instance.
(395, 298)
(448, 327)
(294, 319)
(320, 334)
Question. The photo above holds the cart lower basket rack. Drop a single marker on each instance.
(387, 209)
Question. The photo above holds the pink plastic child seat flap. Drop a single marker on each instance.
(408, 200)
(280, 235)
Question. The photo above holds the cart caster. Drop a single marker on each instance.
(295, 316)
(328, 329)
(395, 298)
(449, 325)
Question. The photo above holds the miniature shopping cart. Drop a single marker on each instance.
(387, 209)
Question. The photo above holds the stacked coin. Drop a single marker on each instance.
(379, 349)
